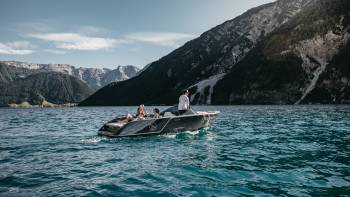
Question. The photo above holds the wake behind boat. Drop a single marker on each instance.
(169, 121)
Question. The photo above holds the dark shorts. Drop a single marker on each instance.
(182, 112)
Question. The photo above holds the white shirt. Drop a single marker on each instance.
(184, 102)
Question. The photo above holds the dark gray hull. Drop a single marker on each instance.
(161, 126)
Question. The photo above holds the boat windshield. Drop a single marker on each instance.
(174, 110)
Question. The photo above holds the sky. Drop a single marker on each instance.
(107, 33)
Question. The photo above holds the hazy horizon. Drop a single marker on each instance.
(107, 34)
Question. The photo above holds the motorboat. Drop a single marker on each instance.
(169, 121)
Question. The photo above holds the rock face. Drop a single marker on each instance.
(95, 78)
(55, 83)
(303, 61)
(41, 87)
(289, 51)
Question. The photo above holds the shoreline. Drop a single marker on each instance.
(44, 104)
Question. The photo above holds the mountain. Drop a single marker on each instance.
(95, 78)
(304, 61)
(289, 51)
(41, 87)
(54, 83)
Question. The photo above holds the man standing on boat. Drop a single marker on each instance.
(184, 102)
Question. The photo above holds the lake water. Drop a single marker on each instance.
(251, 150)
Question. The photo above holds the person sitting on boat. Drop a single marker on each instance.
(156, 113)
(184, 102)
(141, 113)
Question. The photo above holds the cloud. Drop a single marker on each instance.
(17, 48)
(161, 38)
(54, 51)
(88, 29)
(75, 41)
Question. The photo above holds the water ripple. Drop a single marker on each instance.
(251, 150)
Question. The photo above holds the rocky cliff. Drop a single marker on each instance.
(54, 83)
(43, 87)
(286, 52)
(95, 78)
(303, 61)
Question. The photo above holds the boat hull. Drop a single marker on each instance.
(162, 125)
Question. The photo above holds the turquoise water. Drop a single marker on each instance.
(251, 150)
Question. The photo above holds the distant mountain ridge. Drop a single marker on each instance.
(35, 84)
(285, 52)
(94, 77)
(41, 87)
